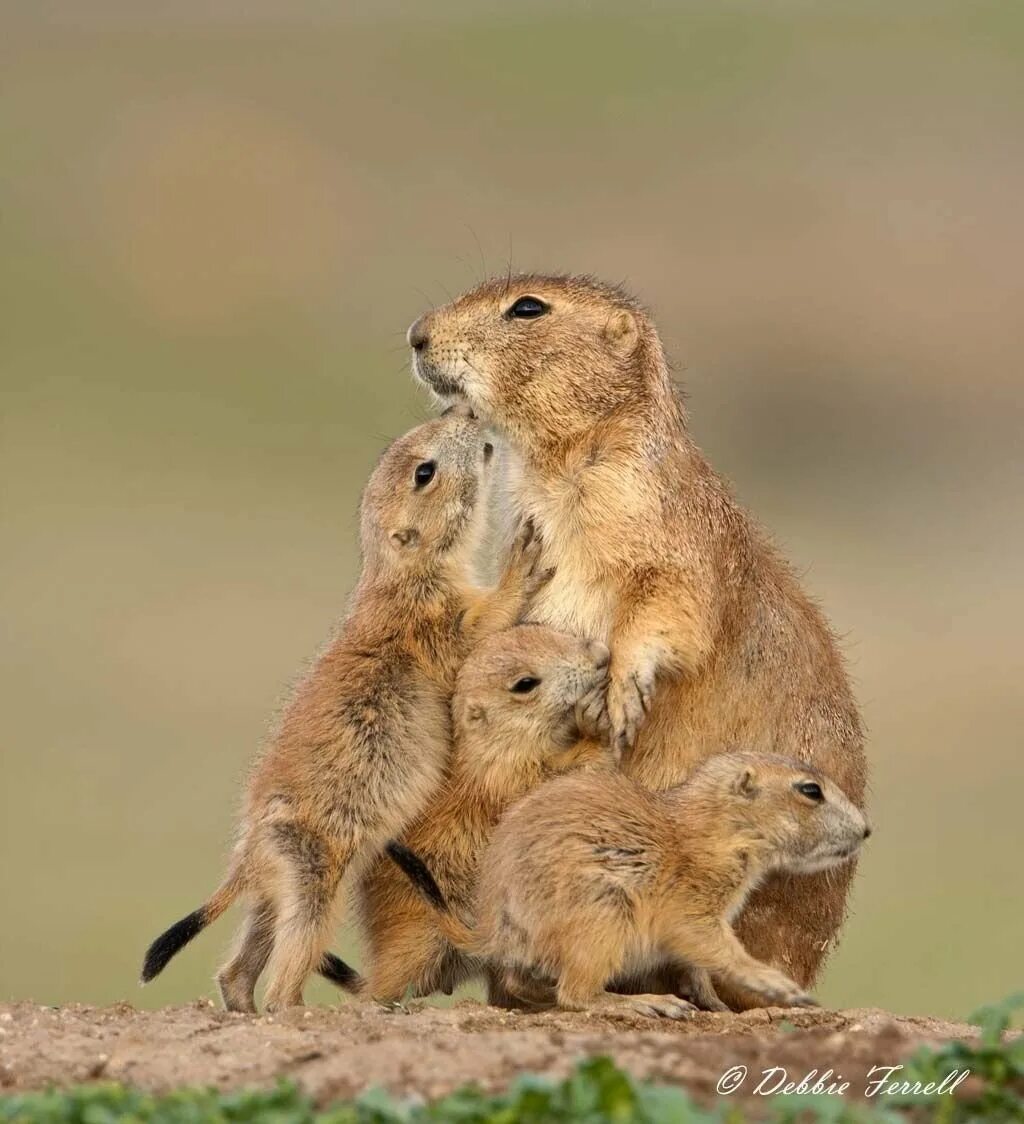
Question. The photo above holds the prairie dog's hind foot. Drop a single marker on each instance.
(698, 987)
(651, 1006)
(236, 993)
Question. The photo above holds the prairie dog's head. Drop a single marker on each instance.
(425, 499)
(539, 356)
(804, 821)
(515, 704)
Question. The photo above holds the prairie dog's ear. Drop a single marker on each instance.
(406, 537)
(745, 783)
(474, 715)
(622, 331)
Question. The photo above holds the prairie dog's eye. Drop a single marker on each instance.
(811, 790)
(525, 685)
(527, 308)
(424, 473)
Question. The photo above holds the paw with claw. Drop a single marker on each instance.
(652, 1006)
(697, 986)
(630, 695)
(778, 990)
(524, 560)
(592, 712)
(661, 1006)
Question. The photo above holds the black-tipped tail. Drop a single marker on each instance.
(340, 974)
(174, 940)
(416, 870)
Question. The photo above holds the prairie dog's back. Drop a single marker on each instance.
(344, 747)
(553, 851)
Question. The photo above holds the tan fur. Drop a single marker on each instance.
(714, 644)
(592, 877)
(506, 743)
(365, 740)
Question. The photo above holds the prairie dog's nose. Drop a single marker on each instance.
(867, 831)
(417, 334)
(599, 653)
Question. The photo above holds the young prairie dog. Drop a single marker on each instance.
(713, 641)
(593, 877)
(366, 737)
(516, 716)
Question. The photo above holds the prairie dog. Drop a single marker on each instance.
(591, 877)
(516, 716)
(366, 737)
(714, 643)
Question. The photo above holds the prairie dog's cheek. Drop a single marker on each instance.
(478, 392)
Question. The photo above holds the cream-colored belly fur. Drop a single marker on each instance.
(582, 596)
(581, 607)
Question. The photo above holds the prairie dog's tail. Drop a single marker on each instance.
(181, 932)
(455, 931)
(340, 974)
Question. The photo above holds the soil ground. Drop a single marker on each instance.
(337, 1053)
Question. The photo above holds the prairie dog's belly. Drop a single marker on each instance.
(581, 598)
(575, 603)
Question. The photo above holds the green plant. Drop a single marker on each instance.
(996, 1066)
(595, 1093)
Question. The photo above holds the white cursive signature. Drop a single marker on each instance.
(828, 1083)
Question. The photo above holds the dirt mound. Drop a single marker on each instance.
(337, 1053)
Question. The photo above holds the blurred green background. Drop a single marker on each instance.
(218, 219)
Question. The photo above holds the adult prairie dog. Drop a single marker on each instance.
(714, 644)
(516, 715)
(592, 877)
(366, 737)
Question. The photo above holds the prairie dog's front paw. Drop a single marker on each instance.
(524, 560)
(526, 542)
(630, 694)
(779, 990)
(592, 712)
(535, 581)
(525, 551)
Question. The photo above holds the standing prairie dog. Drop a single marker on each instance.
(714, 643)
(366, 737)
(593, 877)
(516, 717)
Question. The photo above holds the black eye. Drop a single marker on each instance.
(525, 685)
(811, 790)
(527, 308)
(424, 473)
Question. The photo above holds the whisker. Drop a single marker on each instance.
(425, 297)
(480, 251)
